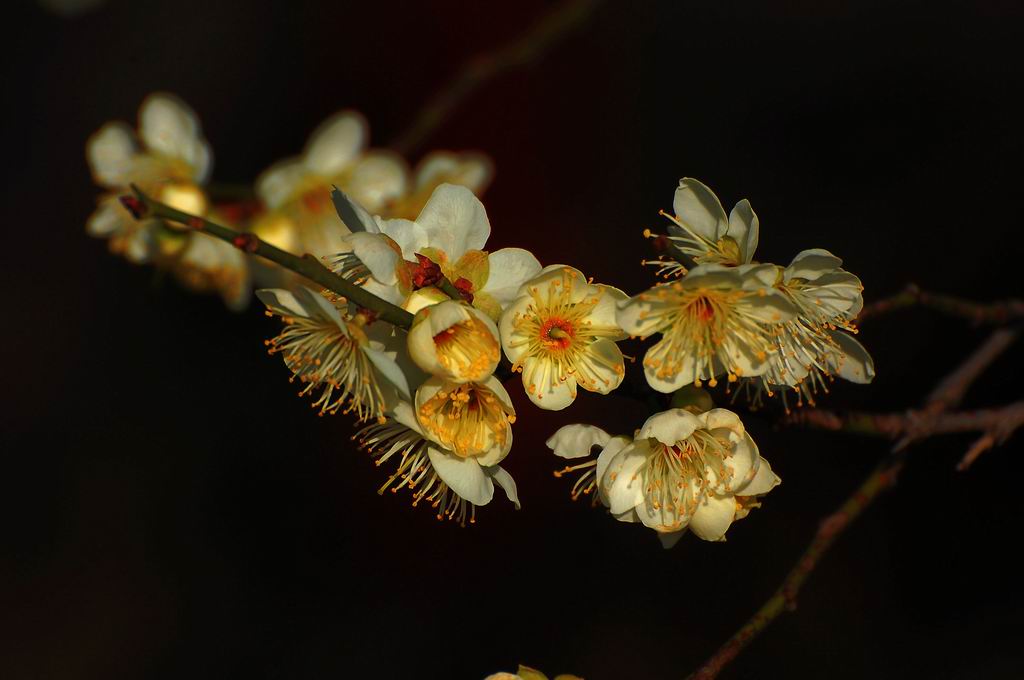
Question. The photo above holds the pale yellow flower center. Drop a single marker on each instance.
(675, 477)
(558, 330)
(468, 349)
(467, 419)
(702, 325)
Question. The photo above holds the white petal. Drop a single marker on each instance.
(670, 538)
(505, 481)
(713, 516)
(279, 299)
(639, 317)
(405, 414)
(670, 427)
(576, 441)
(511, 341)
(744, 228)
(111, 154)
(463, 475)
(622, 483)
(277, 184)
(606, 310)
(810, 264)
(388, 368)
(473, 171)
(545, 392)
(374, 252)
(857, 365)
(743, 463)
(769, 306)
(335, 144)
(608, 453)
(378, 177)
(603, 367)
(384, 291)
(722, 417)
(167, 125)
(509, 268)
(455, 221)
(317, 306)
(107, 219)
(697, 207)
(409, 236)
(764, 481)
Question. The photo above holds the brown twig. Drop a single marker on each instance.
(996, 425)
(522, 51)
(916, 423)
(977, 312)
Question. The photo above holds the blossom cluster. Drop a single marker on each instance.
(431, 396)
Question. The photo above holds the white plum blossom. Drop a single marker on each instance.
(169, 160)
(394, 258)
(560, 332)
(713, 322)
(816, 343)
(455, 341)
(454, 486)
(701, 230)
(682, 471)
(335, 354)
(470, 419)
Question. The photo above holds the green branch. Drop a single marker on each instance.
(142, 205)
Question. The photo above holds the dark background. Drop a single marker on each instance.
(170, 509)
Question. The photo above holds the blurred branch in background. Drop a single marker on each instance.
(527, 49)
(1001, 311)
(996, 424)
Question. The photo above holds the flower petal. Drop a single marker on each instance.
(551, 394)
(510, 268)
(712, 517)
(409, 236)
(670, 427)
(277, 184)
(374, 252)
(601, 367)
(168, 126)
(111, 154)
(764, 481)
(108, 218)
(670, 538)
(621, 481)
(455, 221)
(335, 144)
(604, 459)
(378, 177)
(505, 481)
(463, 475)
(744, 228)
(697, 207)
(388, 367)
(576, 440)
(856, 365)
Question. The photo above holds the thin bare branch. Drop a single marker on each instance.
(524, 50)
(997, 312)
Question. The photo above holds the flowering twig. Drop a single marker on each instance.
(977, 312)
(522, 51)
(142, 205)
(996, 424)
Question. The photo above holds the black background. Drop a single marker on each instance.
(170, 509)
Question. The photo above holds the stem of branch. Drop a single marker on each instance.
(976, 312)
(307, 265)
